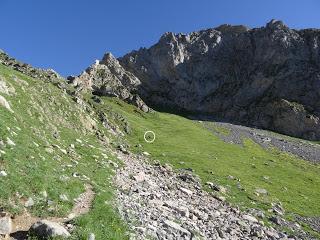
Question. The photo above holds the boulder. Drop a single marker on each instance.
(91, 236)
(4, 103)
(176, 227)
(47, 229)
(186, 191)
(5, 225)
(261, 191)
(140, 177)
(29, 203)
(3, 174)
(250, 218)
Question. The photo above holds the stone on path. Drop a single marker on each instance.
(47, 229)
(176, 227)
(5, 225)
(249, 218)
(186, 191)
(140, 177)
(29, 203)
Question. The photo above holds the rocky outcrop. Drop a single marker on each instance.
(108, 78)
(45, 229)
(46, 74)
(267, 77)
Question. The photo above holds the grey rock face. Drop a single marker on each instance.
(46, 229)
(267, 77)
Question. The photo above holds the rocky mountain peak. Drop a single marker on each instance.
(276, 25)
(47, 74)
(253, 77)
(227, 28)
(167, 37)
(108, 78)
(108, 58)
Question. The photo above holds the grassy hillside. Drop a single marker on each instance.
(49, 147)
(188, 144)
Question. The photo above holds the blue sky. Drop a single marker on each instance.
(68, 35)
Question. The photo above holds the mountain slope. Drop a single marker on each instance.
(60, 142)
(266, 77)
(240, 169)
(50, 149)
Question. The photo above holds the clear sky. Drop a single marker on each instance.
(68, 35)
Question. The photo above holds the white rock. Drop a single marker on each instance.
(91, 236)
(250, 218)
(29, 203)
(44, 194)
(3, 87)
(63, 151)
(47, 229)
(261, 191)
(5, 225)
(64, 198)
(140, 177)
(216, 214)
(3, 174)
(10, 142)
(146, 153)
(186, 191)
(210, 184)
(176, 226)
(184, 211)
(49, 150)
(5, 104)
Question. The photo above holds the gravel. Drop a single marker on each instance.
(304, 149)
(166, 205)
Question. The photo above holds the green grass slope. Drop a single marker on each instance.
(49, 146)
(188, 144)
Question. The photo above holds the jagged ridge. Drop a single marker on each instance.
(267, 77)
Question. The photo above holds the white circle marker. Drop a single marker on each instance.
(148, 140)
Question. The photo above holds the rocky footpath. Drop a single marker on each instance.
(159, 203)
(24, 226)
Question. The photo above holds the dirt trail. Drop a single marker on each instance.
(23, 222)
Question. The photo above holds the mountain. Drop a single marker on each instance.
(90, 157)
(266, 77)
